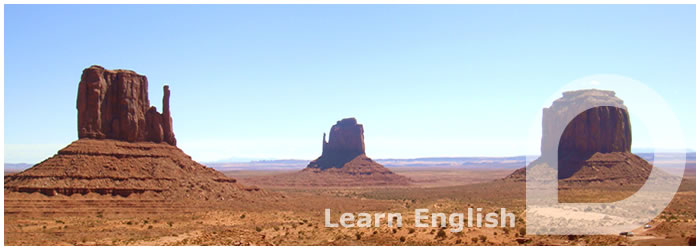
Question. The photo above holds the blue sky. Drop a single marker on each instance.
(261, 81)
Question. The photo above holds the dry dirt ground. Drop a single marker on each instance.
(296, 217)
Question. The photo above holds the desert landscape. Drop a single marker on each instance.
(295, 217)
(126, 182)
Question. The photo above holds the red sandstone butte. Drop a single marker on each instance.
(342, 163)
(594, 146)
(125, 148)
(113, 104)
(603, 129)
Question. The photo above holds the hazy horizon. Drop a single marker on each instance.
(265, 82)
(235, 159)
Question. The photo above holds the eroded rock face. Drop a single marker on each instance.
(113, 104)
(342, 163)
(346, 139)
(120, 153)
(603, 129)
(594, 142)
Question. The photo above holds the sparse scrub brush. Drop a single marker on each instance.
(441, 234)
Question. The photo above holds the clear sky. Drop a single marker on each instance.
(265, 82)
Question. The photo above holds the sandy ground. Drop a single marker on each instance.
(298, 217)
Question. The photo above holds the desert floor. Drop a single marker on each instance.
(295, 216)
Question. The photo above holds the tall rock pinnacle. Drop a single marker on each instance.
(113, 104)
(168, 135)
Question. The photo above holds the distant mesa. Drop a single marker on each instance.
(595, 146)
(346, 142)
(602, 129)
(342, 163)
(125, 147)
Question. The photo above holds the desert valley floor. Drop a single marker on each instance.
(295, 216)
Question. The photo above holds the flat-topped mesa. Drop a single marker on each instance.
(343, 162)
(116, 154)
(346, 138)
(580, 137)
(346, 141)
(602, 129)
(113, 104)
